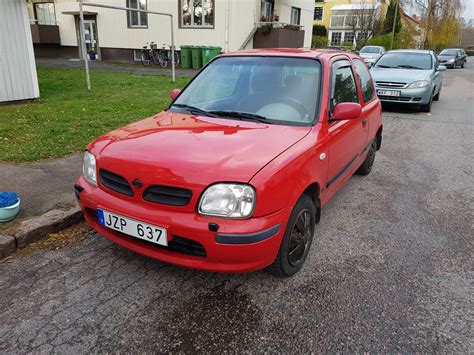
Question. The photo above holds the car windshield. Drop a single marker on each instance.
(405, 60)
(375, 50)
(272, 89)
(449, 52)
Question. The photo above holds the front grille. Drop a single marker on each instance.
(167, 195)
(390, 85)
(115, 182)
(393, 98)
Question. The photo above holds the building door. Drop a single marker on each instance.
(91, 37)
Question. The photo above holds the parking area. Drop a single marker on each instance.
(390, 268)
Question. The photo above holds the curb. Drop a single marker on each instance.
(35, 228)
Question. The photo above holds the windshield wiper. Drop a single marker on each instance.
(195, 110)
(408, 66)
(240, 115)
(384, 66)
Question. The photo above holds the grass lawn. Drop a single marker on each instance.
(68, 117)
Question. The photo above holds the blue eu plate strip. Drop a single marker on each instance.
(100, 215)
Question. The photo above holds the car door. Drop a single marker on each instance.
(371, 111)
(347, 138)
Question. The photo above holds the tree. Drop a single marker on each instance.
(366, 21)
(320, 30)
(388, 23)
(442, 22)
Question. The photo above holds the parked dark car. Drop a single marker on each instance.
(452, 57)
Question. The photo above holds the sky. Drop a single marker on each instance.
(469, 11)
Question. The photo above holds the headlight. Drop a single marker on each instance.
(419, 84)
(451, 61)
(228, 200)
(89, 168)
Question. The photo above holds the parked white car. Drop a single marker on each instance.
(370, 54)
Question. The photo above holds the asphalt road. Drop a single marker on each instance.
(391, 268)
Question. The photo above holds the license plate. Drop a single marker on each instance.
(388, 93)
(133, 227)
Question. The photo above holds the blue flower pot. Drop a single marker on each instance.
(10, 212)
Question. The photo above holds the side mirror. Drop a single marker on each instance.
(441, 68)
(346, 111)
(174, 94)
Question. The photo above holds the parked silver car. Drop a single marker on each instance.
(370, 54)
(409, 76)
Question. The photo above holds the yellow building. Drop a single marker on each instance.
(332, 14)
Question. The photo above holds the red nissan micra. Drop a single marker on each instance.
(233, 175)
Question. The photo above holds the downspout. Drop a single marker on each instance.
(226, 46)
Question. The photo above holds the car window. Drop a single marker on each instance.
(405, 60)
(374, 50)
(365, 80)
(280, 89)
(344, 87)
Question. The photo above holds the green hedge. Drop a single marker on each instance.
(470, 53)
(384, 41)
(319, 41)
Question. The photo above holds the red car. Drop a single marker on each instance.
(233, 175)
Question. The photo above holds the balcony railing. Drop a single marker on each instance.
(278, 35)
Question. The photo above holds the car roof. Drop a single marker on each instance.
(421, 51)
(448, 49)
(291, 52)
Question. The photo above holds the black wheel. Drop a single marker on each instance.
(154, 56)
(297, 240)
(163, 58)
(366, 166)
(176, 59)
(436, 97)
(462, 65)
(145, 60)
(427, 107)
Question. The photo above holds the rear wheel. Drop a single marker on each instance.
(366, 166)
(163, 58)
(297, 240)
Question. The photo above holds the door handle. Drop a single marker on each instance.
(364, 122)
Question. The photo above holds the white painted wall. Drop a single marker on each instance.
(283, 7)
(18, 79)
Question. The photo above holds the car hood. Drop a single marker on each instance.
(399, 75)
(446, 57)
(369, 55)
(186, 150)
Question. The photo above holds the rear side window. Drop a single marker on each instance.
(366, 83)
(344, 87)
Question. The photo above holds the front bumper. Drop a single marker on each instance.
(237, 246)
(407, 96)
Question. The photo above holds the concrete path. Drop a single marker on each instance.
(42, 185)
(114, 67)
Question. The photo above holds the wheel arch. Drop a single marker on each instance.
(313, 191)
(378, 136)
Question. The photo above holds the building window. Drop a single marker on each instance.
(337, 21)
(349, 37)
(318, 13)
(134, 18)
(266, 12)
(336, 38)
(295, 16)
(45, 14)
(196, 13)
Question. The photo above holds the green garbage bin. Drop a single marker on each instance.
(186, 57)
(197, 57)
(208, 53)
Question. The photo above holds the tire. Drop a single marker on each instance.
(463, 63)
(154, 56)
(297, 239)
(163, 58)
(146, 62)
(176, 59)
(427, 107)
(368, 163)
(436, 97)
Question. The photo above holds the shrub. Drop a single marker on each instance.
(319, 41)
(320, 31)
(384, 40)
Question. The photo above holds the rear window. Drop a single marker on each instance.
(405, 60)
(370, 50)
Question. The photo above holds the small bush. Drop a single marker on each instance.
(384, 41)
(319, 41)
(320, 30)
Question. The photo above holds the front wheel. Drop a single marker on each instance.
(297, 239)
(427, 107)
(163, 58)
